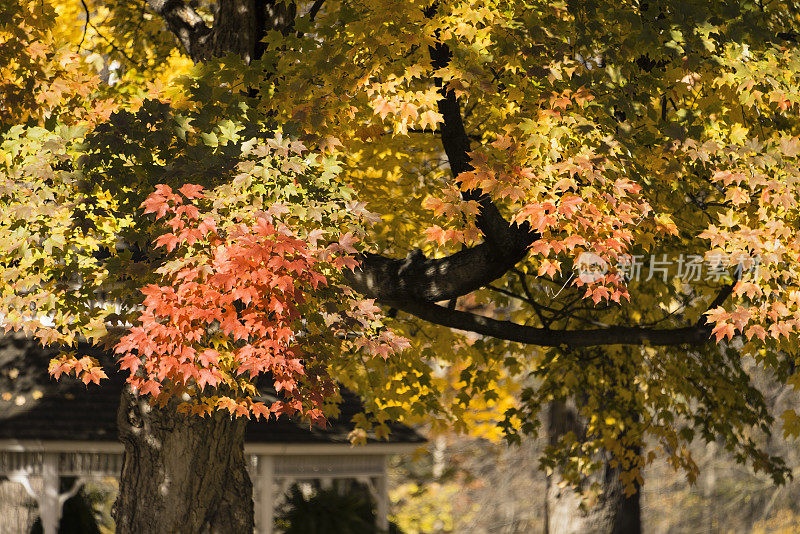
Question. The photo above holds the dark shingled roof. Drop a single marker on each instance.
(33, 406)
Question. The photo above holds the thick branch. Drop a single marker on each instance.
(419, 278)
(696, 334)
(186, 24)
(456, 143)
(615, 335)
(239, 25)
(235, 28)
(413, 284)
(312, 13)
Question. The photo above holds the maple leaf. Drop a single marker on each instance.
(430, 118)
(208, 357)
(278, 209)
(561, 102)
(790, 146)
(717, 314)
(207, 377)
(297, 147)
(155, 203)
(549, 268)
(740, 318)
(779, 329)
(569, 205)
(383, 107)
(227, 403)
(314, 236)
(169, 241)
(436, 233)
(346, 243)
(756, 330)
(434, 204)
(241, 411)
(729, 219)
(408, 111)
(572, 241)
(747, 288)
(207, 225)
(200, 409)
(260, 410)
(540, 246)
(737, 196)
(192, 191)
(57, 368)
(329, 143)
(379, 349)
(599, 293)
(722, 330)
(469, 180)
(150, 387)
(38, 50)
(502, 142)
(565, 184)
(367, 307)
(95, 374)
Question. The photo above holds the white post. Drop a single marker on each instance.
(382, 504)
(49, 502)
(265, 506)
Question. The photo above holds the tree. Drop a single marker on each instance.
(554, 147)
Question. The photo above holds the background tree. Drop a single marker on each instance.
(533, 133)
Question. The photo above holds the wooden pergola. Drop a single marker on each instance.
(49, 431)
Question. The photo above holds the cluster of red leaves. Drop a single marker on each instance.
(577, 204)
(86, 368)
(226, 312)
(236, 300)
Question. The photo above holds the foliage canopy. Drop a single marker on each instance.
(246, 190)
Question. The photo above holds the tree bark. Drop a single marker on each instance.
(614, 513)
(181, 474)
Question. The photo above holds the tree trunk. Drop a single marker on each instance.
(181, 474)
(614, 513)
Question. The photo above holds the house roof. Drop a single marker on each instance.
(33, 406)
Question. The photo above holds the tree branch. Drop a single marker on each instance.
(183, 21)
(312, 13)
(697, 334)
(417, 278)
(456, 143)
(85, 24)
(614, 335)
